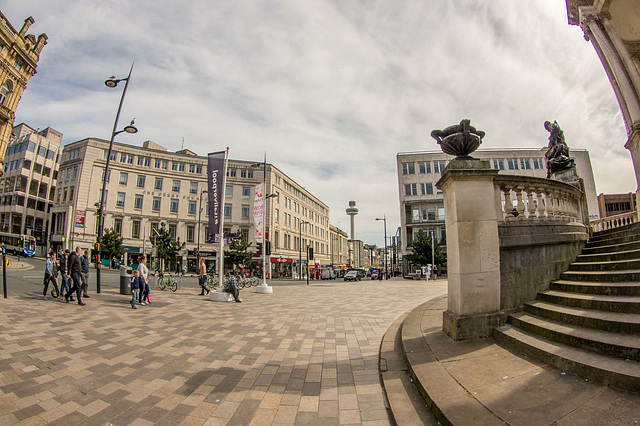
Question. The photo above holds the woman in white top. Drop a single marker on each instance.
(144, 281)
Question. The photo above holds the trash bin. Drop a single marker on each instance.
(125, 280)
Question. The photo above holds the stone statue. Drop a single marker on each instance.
(558, 154)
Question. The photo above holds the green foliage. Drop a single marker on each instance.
(238, 254)
(112, 244)
(422, 251)
(166, 247)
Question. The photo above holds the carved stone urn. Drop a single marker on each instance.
(459, 140)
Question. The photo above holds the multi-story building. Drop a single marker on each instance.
(19, 55)
(615, 204)
(149, 185)
(28, 182)
(422, 204)
(338, 251)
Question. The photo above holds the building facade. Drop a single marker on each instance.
(615, 204)
(19, 55)
(338, 251)
(422, 204)
(28, 183)
(149, 185)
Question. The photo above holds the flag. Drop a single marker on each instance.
(216, 179)
(258, 213)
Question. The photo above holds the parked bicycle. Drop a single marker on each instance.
(248, 282)
(165, 281)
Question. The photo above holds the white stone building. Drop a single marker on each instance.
(28, 183)
(422, 205)
(148, 185)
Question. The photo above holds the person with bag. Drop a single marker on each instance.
(74, 267)
(145, 289)
(203, 277)
(51, 275)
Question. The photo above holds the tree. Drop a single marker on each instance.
(112, 244)
(238, 253)
(422, 251)
(167, 247)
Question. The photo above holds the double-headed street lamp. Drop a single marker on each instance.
(386, 266)
(264, 288)
(300, 223)
(110, 82)
(204, 191)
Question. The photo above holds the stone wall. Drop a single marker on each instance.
(534, 254)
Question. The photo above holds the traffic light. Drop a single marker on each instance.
(310, 253)
(96, 247)
(259, 248)
(268, 247)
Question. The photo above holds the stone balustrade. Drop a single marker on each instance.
(612, 222)
(524, 198)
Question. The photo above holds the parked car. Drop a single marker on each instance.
(374, 275)
(352, 276)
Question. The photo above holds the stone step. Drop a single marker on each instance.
(623, 346)
(613, 265)
(613, 240)
(624, 304)
(592, 366)
(405, 405)
(601, 276)
(614, 322)
(631, 228)
(635, 245)
(604, 288)
(609, 256)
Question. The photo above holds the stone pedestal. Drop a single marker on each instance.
(473, 249)
(220, 296)
(264, 289)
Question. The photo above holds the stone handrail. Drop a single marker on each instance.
(612, 222)
(525, 198)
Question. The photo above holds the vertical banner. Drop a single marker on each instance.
(81, 216)
(258, 213)
(216, 179)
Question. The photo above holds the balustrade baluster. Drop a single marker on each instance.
(541, 203)
(508, 204)
(531, 206)
(520, 207)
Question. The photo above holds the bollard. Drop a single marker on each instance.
(125, 280)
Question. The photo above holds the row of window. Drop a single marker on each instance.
(18, 200)
(497, 163)
(31, 147)
(26, 164)
(425, 189)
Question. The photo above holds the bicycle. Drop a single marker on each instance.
(249, 282)
(165, 281)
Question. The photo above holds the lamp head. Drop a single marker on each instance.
(111, 81)
(131, 128)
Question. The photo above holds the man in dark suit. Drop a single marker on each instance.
(74, 268)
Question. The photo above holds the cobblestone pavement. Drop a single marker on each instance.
(303, 355)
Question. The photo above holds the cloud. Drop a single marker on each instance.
(331, 90)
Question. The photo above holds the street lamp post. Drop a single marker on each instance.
(433, 251)
(303, 222)
(386, 266)
(264, 287)
(111, 82)
(204, 191)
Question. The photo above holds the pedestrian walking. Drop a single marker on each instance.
(74, 268)
(135, 285)
(62, 267)
(145, 289)
(203, 277)
(435, 272)
(429, 272)
(84, 273)
(51, 276)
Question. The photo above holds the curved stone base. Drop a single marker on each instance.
(264, 289)
(220, 296)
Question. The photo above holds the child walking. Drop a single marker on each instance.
(135, 285)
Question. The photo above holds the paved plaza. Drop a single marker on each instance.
(303, 355)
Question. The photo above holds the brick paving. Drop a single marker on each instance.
(303, 355)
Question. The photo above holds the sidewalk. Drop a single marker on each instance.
(481, 383)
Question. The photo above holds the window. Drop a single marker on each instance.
(158, 184)
(245, 211)
(227, 210)
(424, 167)
(172, 230)
(250, 174)
(106, 195)
(231, 172)
(50, 154)
(124, 178)
(429, 214)
(192, 207)
(26, 164)
(5, 90)
(173, 208)
(199, 169)
(498, 164)
(525, 164)
(538, 164)
(244, 233)
(246, 192)
(164, 165)
(193, 187)
(135, 229)
(174, 166)
(137, 201)
(17, 64)
(243, 173)
(426, 188)
(410, 189)
(157, 164)
(155, 205)
(37, 168)
(141, 181)
(276, 215)
(120, 199)
(117, 225)
(192, 168)
(228, 191)
(46, 171)
(438, 166)
(141, 161)
(190, 233)
(408, 168)
(101, 179)
(106, 154)
(175, 186)
(512, 163)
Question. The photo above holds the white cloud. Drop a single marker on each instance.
(331, 90)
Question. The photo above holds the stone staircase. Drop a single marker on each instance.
(588, 322)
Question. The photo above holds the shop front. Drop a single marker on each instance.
(209, 260)
(281, 268)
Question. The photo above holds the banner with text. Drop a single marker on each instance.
(81, 216)
(216, 178)
(258, 213)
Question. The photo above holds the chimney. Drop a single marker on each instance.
(42, 40)
(25, 27)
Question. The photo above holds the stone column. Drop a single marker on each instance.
(473, 249)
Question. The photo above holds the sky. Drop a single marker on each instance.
(331, 90)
